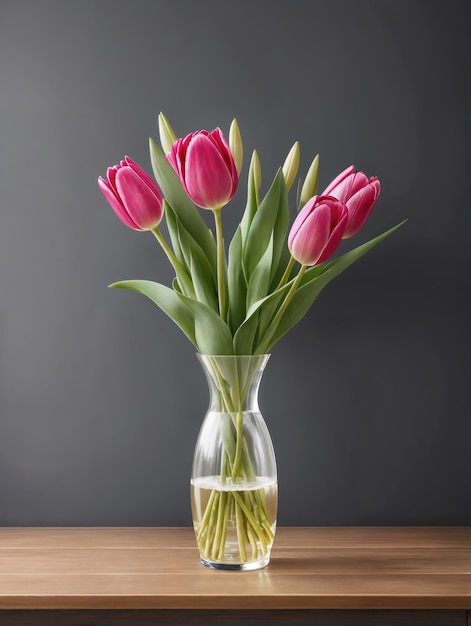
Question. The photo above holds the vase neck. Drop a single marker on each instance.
(233, 381)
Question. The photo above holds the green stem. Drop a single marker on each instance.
(212, 524)
(241, 535)
(287, 272)
(225, 397)
(221, 263)
(220, 523)
(229, 504)
(239, 444)
(264, 346)
(180, 270)
(250, 517)
(207, 513)
(253, 542)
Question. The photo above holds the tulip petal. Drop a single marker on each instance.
(301, 218)
(374, 181)
(358, 181)
(172, 157)
(181, 153)
(116, 203)
(111, 176)
(338, 180)
(207, 177)
(225, 151)
(359, 207)
(311, 239)
(138, 199)
(144, 176)
(338, 225)
(349, 186)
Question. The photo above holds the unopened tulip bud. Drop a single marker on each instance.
(291, 164)
(311, 182)
(235, 144)
(167, 136)
(255, 170)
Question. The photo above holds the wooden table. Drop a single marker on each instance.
(144, 576)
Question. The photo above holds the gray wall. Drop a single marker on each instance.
(101, 396)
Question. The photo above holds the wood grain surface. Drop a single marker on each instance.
(311, 568)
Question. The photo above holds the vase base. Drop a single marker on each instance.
(236, 567)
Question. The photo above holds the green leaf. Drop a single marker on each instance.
(181, 203)
(205, 290)
(192, 250)
(259, 280)
(250, 207)
(256, 305)
(270, 306)
(281, 253)
(284, 259)
(172, 226)
(211, 332)
(237, 287)
(245, 335)
(202, 277)
(314, 281)
(263, 223)
(268, 311)
(243, 339)
(167, 300)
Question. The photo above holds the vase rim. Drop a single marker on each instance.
(232, 356)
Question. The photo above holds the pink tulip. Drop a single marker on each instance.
(133, 195)
(359, 195)
(317, 230)
(206, 168)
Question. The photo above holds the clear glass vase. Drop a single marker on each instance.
(234, 489)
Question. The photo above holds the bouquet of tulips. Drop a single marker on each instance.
(243, 304)
(243, 299)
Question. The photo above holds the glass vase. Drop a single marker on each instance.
(234, 489)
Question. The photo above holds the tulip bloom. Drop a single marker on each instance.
(133, 195)
(206, 168)
(359, 195)
(317, 230)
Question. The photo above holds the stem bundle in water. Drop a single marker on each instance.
(236, 522)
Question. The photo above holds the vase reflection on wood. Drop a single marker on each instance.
(234, 490)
